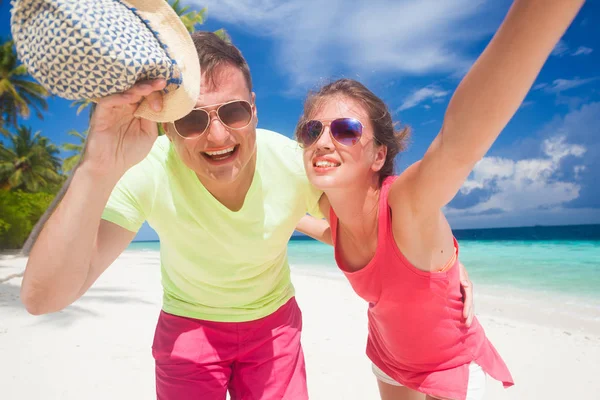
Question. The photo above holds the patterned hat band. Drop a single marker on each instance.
(89, 49)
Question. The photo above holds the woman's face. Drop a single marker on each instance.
(332, 165)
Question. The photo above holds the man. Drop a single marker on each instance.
(224, 198)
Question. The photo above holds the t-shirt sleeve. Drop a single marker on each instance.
(312, 195)
(312, 201)
(130, 202)
(288, 166)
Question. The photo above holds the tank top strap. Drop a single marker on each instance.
(333, 225)
(384, 208)
(384, 211)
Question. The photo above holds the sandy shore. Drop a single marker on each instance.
(99, 347)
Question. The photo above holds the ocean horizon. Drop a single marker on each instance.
(552, 260)
(530, 233)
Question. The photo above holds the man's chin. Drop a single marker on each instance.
(223, 174)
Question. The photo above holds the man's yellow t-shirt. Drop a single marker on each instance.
(216, 264)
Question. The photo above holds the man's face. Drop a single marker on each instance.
(220, 154)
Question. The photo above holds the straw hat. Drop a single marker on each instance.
(89, 49)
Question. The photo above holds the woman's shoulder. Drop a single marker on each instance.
(399, 187)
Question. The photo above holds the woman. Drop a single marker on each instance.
(391, 238)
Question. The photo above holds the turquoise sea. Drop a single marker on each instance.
(554, 260)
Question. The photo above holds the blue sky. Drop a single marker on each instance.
(542, 170)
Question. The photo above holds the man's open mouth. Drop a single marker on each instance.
(220, 155)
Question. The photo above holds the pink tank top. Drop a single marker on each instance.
(416, 332)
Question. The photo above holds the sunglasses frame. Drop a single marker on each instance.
(328, 122)
(216, 111)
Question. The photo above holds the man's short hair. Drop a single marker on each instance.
(214, 52)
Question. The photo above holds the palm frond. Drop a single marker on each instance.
(20, 70)
(222, 33)
(19, 94)
(82, 105)
(189, 18)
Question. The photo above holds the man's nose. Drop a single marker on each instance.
(217, 132)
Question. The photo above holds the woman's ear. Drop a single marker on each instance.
(380, 157)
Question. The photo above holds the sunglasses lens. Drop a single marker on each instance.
(310, 132)
(346, 131)
(236, 115)
(193, 124)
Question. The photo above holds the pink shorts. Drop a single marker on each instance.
(261, 359)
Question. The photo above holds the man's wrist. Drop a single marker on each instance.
(101, 177)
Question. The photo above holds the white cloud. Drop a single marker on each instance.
(556, 182)
(486, 169)
(421, 95)
(527, 104)
(525, 184)
(582, 50)
(560, 49)
(315, 38)
(579, 169)
(556, 148)
(546, 216)
(560, 85)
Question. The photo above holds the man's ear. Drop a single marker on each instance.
(380, 157)
(255, 109)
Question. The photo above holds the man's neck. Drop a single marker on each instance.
(233, 194)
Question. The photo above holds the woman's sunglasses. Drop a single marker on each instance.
(235, 114)
(345, 131)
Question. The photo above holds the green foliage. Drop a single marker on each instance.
(222, 33)
(81, 104)
(70, 162)
(18, 93)
(30, 163)
(189, 18)
(19, 211)
(192, 18)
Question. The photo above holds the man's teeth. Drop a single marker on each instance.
(220, 152)
(326, 164)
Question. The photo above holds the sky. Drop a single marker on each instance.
(543, 168)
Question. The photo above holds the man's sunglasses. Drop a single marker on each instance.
(235, 114)
(345, 131)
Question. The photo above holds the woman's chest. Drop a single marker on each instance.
(355, 254)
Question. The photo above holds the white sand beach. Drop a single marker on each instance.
(99, 348)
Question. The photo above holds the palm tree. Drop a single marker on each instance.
(189, 18)
(18, 93)
(70, 162)
(30, 162)
(192, 18)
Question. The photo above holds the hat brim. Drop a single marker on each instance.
(180, 47)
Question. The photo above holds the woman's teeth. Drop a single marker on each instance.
(326, 164)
